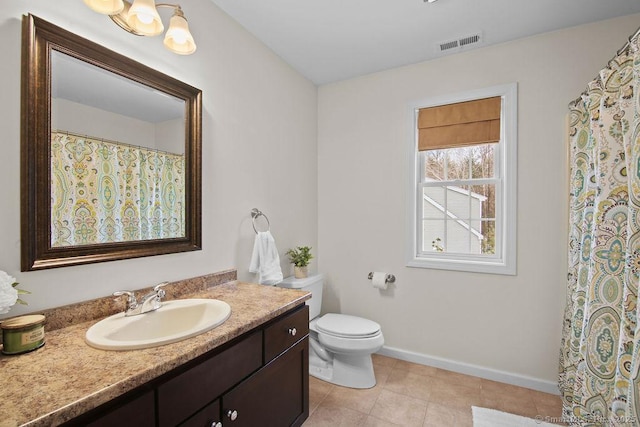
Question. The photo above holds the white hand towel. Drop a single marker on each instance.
(265, 259)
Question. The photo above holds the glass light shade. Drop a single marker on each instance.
(178, 38)
(144, 19)
(106, 7)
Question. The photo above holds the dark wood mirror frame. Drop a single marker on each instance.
(39, 38)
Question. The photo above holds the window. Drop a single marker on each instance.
(463, 182)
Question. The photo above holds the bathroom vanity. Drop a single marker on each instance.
(261, 378)
(251, 370)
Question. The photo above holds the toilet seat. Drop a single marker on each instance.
(346, 326)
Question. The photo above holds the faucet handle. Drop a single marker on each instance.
(131, 298)
(159, 291)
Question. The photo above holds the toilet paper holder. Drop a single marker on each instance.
(390, 278)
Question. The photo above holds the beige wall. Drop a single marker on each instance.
(505, 327)
(85, 120)
(259, 131)
(82, 119)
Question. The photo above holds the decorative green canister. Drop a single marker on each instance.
(22, 334)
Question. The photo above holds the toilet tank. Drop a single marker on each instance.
(311, 284)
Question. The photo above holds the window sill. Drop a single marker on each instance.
(489, 267)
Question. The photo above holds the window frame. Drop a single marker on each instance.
(506, 171)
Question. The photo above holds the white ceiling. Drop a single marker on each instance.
(332, 40)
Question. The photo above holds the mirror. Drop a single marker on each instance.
(110, 154)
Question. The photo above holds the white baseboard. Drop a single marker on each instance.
(468, 369)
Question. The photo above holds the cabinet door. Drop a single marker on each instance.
(184, 395)
(139, 412)
(275, 396)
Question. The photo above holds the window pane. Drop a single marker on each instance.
(482, 159)
(458, 237)
(433, 236)
(433, 203)
(460, 204)
(489, 237)
(458, 163)
(476, 161)
(486, 196)
(434, 163)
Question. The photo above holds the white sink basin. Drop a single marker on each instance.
(175, 321)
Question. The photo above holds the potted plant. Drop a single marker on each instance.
(300, 258)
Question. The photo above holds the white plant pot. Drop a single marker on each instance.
(300, 272)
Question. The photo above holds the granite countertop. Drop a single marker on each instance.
(66, 377)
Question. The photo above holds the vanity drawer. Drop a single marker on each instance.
(285, 332)
(187, 393)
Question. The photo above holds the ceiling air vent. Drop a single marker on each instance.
(459, 43)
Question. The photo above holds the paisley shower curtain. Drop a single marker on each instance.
(105, 191)
(600, 355)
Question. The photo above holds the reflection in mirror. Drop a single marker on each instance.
(110, 157)
(117, 163)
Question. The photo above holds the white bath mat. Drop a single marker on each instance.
(483, 417)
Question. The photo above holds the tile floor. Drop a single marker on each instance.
(408, 394)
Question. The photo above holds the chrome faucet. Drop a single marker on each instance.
(149, 302)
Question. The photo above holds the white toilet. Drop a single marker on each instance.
(340, 346)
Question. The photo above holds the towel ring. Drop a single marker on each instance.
(255, 214)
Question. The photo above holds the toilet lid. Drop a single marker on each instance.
(346, 326)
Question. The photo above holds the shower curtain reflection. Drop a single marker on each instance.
(103, 191)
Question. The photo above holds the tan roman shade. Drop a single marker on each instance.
(459, 125)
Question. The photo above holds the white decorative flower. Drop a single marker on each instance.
(8, 292)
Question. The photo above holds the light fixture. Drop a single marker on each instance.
(178, 38)
(142, 19)
(107, 7)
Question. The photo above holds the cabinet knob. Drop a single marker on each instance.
(232, 414)
(216, 424)
(293, 332)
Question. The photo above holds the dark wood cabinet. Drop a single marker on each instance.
(260, 378)
(275, 396)
(138, 411)
(284, 332)
(185, 394)
(209, 416)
